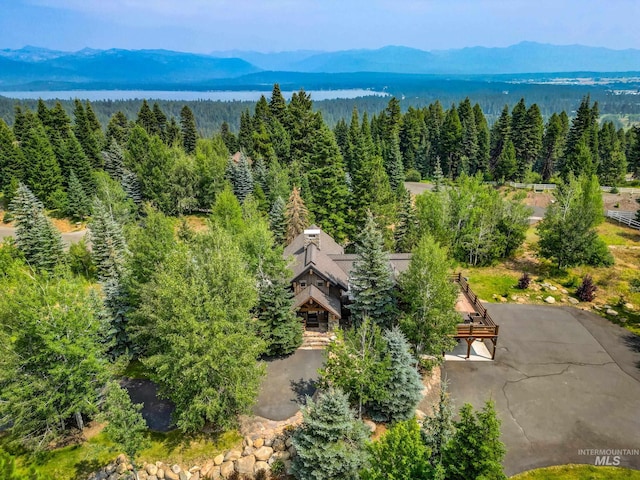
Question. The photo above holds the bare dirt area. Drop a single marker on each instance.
(611, 201)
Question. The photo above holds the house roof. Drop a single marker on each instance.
(399, 262)
(329, 260)
(312, 258)
(331, 304)
(327, 244)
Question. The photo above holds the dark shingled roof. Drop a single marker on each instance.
(399, 262)
(331, 304)
(327, 244)
(315, 259)
(329, 260)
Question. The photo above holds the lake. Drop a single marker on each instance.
(225, 96)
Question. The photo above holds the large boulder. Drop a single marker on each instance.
(262, 466)
(245, 465)
(151, 469)
(232, 455)
(218, 460)
(263, 453)
(226, 469)
(170, 475)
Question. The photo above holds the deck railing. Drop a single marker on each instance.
(481, 325)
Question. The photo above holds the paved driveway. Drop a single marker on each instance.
(67, 238)
(287, 382)
(563, 380)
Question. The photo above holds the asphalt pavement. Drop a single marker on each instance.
(564, 380)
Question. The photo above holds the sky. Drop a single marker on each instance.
(204, 26)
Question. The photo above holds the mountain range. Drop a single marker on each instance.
(35, 67)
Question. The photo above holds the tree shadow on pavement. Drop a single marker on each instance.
(303, 388)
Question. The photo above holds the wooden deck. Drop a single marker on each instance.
(478, 325)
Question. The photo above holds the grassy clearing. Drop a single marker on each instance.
(497, 283)
(78, 461)
(579, 472)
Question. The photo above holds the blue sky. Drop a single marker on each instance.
(276, 25)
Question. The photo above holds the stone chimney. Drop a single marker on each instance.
(312, 235)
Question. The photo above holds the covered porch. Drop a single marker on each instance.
(319, 312)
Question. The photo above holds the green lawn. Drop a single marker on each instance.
(579, 472)
(77, 461)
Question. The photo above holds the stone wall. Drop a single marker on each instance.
(257, 453)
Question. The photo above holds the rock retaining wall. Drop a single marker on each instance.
(257, 453)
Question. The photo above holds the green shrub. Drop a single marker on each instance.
(412, 175)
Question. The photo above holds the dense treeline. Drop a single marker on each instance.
(491, 93)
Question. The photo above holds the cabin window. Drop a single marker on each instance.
(303, 284)
(320, 283)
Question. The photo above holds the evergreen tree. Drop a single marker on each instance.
(404, 385)
(506, 167)
(147, 119)
(581, 153)
(174, 134)
(371, 282)
(11, 158)
(297, 216)
(229, 139)
(399, 454)
(108, 246)
(160, 122)
(469, 146)
(277, 323)
(125, 425)
(475, 450)
(552, 147)
(79, 206)
(429, 316)
(393, 162)
(518, 137)
(330, 442)
(533, 135)
(36, 237)
(75, 159)
(42, 170)
(109, 254)
(117, 129)
(613, 162)
(451, 144)
(84, 131)
(188, 129)
(242, 179)
(437, 430)
(245, 135)
(278, 105)
(482, 129)
(327, 183)
(634, 152)
(500, 134)
(278, 220)
(406, 231)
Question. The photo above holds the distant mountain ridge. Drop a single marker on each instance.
(136, 68)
